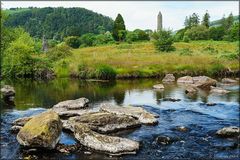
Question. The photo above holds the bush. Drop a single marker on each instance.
(131, 37)
(186, 39)
(141, 35)
(179, 36)
(216, 33)
(73, 41)
(59, 52)
(210, 49)
(164, 41)
(103, 39)
(216, 69)
(83, 72)
(234, 32)
(62, 69)
(198, 32)
(87, 39)
(105, 72)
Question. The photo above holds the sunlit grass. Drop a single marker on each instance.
(142, 59)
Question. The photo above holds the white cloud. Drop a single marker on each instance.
(142, 14)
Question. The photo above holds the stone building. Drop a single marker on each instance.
(159, 21)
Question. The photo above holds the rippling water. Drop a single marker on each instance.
(203, 121)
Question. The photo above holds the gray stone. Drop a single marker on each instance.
(108, 144)
(226, 132)
(141, 114)
(218, 90)
(104, 122)
(158, 86)
(169, 78)
(164, 140)
(7, 91)
(205, 82)
(185, 80)
(159, 21)
(190, 89)
(15, 129)
(43, 130)
(229, 80)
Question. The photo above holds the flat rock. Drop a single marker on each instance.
(103, 143)
(205, 82)
(158, 86)
(105, 122)
(211, 104)
(21, 121)
(141, 114)
(218, 90)
(72, 108)
(185, 79)
(226, 132)
(43, 130)
(229, 80)
(73, 104)
(168, 78)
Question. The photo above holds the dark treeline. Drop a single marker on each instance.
(57, 23)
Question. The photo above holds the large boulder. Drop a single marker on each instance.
(141, 114)
(229, 80)
(72, 108)
(190, 89)
(43, 130)
(103, 143)
(169, 78)
(185, 79)
(8, 93)
(105, 122)
(205, 82)
(231, 131)
(158, 86)
(218, 90)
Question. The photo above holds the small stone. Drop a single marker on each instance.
(182, 129)
(211, 104)
(226, 132)
(229, 80)
(218, 90)
(169, 78)
(185, 79)
(171, 99)
(158, 86)
(163, 140)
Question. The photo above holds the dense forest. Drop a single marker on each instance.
(57, 23)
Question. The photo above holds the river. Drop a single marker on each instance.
(203, 121)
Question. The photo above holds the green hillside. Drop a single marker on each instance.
(58, 22)
(218, 22)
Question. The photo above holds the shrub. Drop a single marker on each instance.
(216, 33)
(179, 36)
(105, 72)
(83, 71)
(62, 69)
(141, 35)
(229, 56)
(59, 52)
(131, 37)
(73, 41)
(103, 39)
(198, 32)
(87, 39)
(164, 41)
(215, 69)
(186, 39)
(210, 49)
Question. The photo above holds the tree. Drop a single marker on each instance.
(205, 20)
(229, 22)
(216, 33)
(163, 40)
(142, 35)
(117, 27)
(187, 22)
(73, 41)
(194, 19)
(234, 32)
(198, 32)
(87, 39)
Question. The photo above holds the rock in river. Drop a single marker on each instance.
(218, 90)
(229, 80)
(169, 78)
(43, 130)
(231, 131)
(103, 143)
(158, 86)
(164, 140)
(141, 114)
(71, 108)
(105, 122)
(185, 79)
(8, 93)
(205, 82)
(190, 89)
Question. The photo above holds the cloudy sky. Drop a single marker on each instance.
(143, 14)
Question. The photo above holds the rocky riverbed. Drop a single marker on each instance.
(163, 122)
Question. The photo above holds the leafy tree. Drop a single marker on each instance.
(229, 22)
(142, 35)
(73, 41)
(131, 37)
(87, 39)
(205, 20)
(234, 32)
(216, 33)
(198, 32)
(179, 35)
(164, 40)
(194, 19)
(103, 39)
(119, 28)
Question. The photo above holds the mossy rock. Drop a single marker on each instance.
(42, 130)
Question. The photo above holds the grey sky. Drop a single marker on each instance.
(143, 14)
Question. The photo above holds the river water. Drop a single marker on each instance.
(203, 121)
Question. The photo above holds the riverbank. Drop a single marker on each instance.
(138, 60)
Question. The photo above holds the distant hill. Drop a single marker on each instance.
(218, 22)
(58, 22)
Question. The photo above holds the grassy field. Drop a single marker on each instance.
(142, 60)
